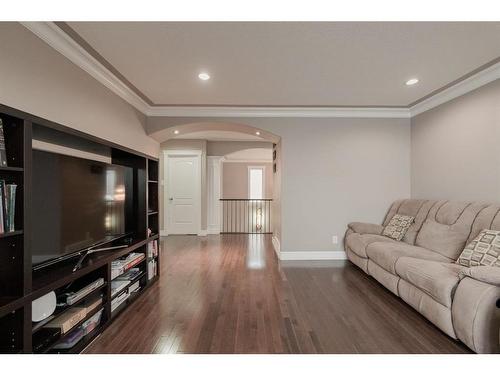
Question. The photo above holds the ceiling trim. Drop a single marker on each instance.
(51, 34)
(318, 112)
(473, 82)
(54, 36)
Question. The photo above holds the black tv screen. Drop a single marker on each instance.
(77, 203)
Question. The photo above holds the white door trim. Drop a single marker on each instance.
(166, 216)
(214, 193)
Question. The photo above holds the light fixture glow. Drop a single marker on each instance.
(257, 133)
(204, 76)
(412, 82)
(176, 132)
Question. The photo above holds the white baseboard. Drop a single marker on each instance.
(276, 245)
(312, 255)
(213, 231)
(202, 233)
(163, 233)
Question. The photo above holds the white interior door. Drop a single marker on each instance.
(183, 194)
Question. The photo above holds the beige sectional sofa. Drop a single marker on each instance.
(463, 302)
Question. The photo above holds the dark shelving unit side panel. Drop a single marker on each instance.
(27, 205)
(12, 332)
(14, 278)
(154, 212)
(152, 197)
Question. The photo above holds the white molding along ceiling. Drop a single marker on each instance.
(64, 44)
(311, 112)
(475, 81)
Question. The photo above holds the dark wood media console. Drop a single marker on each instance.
(20, 285)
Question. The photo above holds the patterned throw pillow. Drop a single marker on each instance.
(398, 226)
(484, 250)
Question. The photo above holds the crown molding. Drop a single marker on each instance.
(62, 43)
(51, 34)
(469, 84)
(311, 112)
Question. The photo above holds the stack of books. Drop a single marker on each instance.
(7, 206)
(120, 266)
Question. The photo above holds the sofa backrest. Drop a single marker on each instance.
(418, 208)
(445, 226)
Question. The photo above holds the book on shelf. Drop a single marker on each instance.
(153, 249)
(120, 266)
(3, 152)
(152, 269)
(7, 206)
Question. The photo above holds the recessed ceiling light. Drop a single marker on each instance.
(411, 82)
(204, 76)
(176, 132)
(257, 133)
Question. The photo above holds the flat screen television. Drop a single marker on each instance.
(77, 203)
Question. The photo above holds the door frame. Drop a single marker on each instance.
(166, 215)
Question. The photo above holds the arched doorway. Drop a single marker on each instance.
(225, 144)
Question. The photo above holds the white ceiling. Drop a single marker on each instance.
(291, 64)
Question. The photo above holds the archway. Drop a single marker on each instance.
(191, 135)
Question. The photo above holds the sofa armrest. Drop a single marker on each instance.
(475, 313)
(486, 274)
(366, 228)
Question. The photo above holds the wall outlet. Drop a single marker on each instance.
(335, 240)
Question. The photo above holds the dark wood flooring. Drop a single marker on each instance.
(229, 294)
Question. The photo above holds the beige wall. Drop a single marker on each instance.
(222, 148)
(455, 148)
(333, 171)
(235, 179)
(36, 79)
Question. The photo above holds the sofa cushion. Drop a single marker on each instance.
(438, 280)
(358, 242)
(418, 208)
(442, 238)
(398, 226)
(386, 254)
(484, 250)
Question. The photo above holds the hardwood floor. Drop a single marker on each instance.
(229, 294)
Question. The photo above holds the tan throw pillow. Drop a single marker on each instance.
(398, 226)
(484, 250)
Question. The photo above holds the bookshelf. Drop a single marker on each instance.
(20, 285)
(153, 267)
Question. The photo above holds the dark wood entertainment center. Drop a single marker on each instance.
(19, 283)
